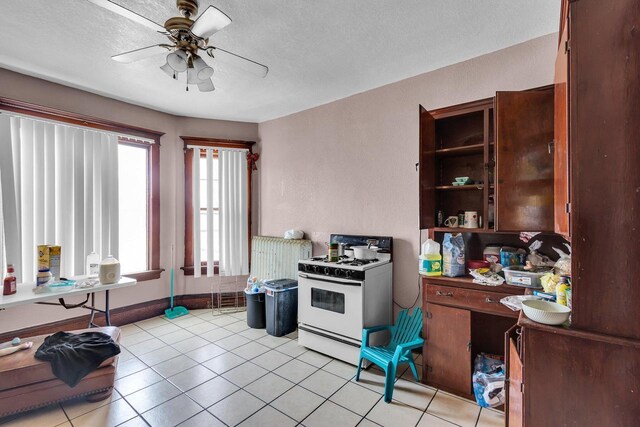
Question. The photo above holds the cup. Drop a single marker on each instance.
(452, 222)
(470, 219)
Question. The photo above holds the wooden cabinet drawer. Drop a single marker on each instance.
(484, 301)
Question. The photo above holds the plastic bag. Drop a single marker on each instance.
(488, 381)
(484, 276)
(453, 260)
(563, 265)
(537, 259)
(293, 234)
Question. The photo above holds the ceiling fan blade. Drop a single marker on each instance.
(210, 22)
(123, 11)
(138, 54)
(238, 61)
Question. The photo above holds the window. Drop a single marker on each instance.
(188, 267)
(133, 165)
(138, 188)
(203, 209)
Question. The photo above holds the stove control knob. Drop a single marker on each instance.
(339, 272)
(316, 268)
(327, 271)
(347, 274)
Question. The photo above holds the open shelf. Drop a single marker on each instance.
(462, 230)
(460, 187)
(461, 151)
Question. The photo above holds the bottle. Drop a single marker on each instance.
(561, 290)
(9, 287)
(430, 261)
(93, 264)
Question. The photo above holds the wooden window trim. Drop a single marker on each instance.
(188, 267)
(153, 171)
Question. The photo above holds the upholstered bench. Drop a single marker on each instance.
(28, 383)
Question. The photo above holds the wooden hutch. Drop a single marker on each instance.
(561, 160)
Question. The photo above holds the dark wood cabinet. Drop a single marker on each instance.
(462, 319)
(513, 378)
(576, 378)
(524, 161)
(604, 126)
(562, 208)
(454, 142)
(427, 170)
(503, 145)
(588, 373)
(447, 361)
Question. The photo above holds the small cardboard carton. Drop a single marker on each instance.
(49, 257)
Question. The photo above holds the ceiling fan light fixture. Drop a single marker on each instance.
(168, 70)
(192, 76)
(206, 86)
(177, 60)
(202, 69)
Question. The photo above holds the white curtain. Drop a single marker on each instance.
(59, 186)
(234, 216)
(232, 191)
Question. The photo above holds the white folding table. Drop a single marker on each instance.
(26, 295)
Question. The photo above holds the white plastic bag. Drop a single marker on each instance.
(294, 234)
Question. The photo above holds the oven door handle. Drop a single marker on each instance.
(337, 282)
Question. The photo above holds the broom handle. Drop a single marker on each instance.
(172, 277)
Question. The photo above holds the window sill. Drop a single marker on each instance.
(145, 275)
(188, 271)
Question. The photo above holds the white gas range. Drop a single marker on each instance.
(336, 300)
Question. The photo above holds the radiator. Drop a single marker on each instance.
(277, 258)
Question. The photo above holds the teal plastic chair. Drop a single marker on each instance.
(405, 336)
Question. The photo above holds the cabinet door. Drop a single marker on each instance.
(524, 161)
(427, 165)
(448, 348)
(561, 136)
(514, 377)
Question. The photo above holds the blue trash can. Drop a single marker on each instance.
(281, 306)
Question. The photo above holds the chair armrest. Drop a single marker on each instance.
(367, 331)
(401, 348)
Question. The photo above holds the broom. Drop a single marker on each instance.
(173, 312)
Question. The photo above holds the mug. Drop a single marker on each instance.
(470, 219)
(452, 222)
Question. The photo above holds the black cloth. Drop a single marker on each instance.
(73, 356)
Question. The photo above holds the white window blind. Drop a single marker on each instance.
(59, 186)
(226, 206)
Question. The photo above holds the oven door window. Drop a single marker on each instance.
(327, 300)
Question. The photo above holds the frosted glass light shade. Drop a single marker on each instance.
(177, 60)
(168, 70)
(192, 76)
(201, 67)
(206, 86)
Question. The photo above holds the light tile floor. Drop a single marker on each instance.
(212, 370)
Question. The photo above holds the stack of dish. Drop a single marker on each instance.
(462, 180)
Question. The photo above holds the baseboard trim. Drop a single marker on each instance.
(119, 316)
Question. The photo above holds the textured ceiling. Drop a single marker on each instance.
(317, 51)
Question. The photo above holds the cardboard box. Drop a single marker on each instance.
(49, 257)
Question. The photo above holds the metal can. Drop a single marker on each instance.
(332, 256)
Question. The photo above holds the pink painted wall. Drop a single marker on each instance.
(349, 166)
(41, 92)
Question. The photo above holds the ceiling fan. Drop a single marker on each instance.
(189, 38)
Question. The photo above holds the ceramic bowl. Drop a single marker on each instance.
(462, 178)
(546, 312)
